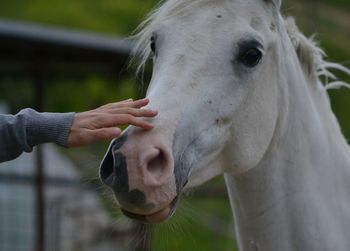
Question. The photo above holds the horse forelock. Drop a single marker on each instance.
(164, 10)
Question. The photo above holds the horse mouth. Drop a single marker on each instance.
(155, 218)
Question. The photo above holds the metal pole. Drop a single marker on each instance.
(40, 176)
(40, 201)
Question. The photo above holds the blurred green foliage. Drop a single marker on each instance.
(339, 3)
(107, 16)
(191, 229)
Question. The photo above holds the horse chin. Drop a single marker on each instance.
(154, 218)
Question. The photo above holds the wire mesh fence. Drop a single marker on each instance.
(74, 219)
(43, 204)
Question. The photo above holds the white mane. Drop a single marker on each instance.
(311, 56)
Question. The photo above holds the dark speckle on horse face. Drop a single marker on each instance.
(273, 27)
(134, 198)
(120, 183)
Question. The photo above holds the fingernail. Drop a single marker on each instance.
(117, 132)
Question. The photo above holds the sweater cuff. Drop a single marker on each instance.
(49, 127)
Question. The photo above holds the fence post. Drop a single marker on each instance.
(39, 167)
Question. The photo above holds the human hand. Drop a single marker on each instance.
(100, 124)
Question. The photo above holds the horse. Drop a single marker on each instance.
(240, 93)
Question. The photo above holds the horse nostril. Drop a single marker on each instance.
(157, 164)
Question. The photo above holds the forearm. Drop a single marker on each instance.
(21, 132)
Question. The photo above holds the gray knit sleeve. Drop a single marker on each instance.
(21, 132)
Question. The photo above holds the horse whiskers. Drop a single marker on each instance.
(143, 235)
(175, 228)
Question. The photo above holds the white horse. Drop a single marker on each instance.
(238, 93)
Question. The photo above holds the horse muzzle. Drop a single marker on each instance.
(139, 168)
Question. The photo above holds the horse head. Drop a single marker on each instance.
(215, 79)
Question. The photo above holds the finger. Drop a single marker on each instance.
(144, 113)
(117, 104)
(140, 103)
(126, 119)
(102, 134)
(130, 100)
(135, 112)
(132, 104)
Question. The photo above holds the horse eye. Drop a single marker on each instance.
(153, 44)
(250, 57)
